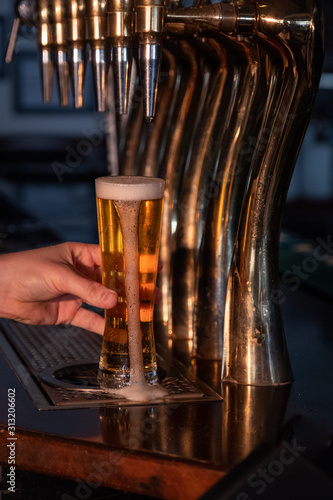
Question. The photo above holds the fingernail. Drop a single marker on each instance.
(109, 297)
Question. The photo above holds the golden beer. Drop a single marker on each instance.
(129, 212)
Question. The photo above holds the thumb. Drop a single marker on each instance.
(92, 292)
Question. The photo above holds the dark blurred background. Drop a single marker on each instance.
(50, 156)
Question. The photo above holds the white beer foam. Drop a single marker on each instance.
(129, 188)
(141, 391)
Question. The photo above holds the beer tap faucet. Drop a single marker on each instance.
(58, 16)
(149, 26)
(96, 36)
(120, 30)
(45, 42)
(75, 10)
(50, 21)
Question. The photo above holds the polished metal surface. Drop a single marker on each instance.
(149, 26)
(260, 412)
(62, 363)
(99, 60)
(76, 47)
(254, 346)
(59, 27)
(120, 32)
(149, 61)
(96, 31)
(224, 192)
(230, 86)
(45, 38)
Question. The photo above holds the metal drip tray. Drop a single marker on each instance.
(57, 365)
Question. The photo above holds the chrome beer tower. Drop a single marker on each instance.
(236, 84)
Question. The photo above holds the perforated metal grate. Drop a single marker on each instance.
(46, 346)
(64, 362)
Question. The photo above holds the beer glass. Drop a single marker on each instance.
(129, 213)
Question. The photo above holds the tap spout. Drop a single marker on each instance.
(45, 42)
(96, 32)
(60, 48)
(75, 12)
(120, 30)
(149, 26)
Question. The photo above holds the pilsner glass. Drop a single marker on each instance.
(129, 212)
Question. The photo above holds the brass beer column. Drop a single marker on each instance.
(96, 36)
(75, 11)
(149, 26)
(120, 30)
(58, 9)
(45, 39)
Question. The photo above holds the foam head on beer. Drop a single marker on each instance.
(129, 188)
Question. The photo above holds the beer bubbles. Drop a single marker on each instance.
(129, 211)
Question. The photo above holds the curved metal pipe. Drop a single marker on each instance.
(156, 137)
(202, 155)
(187, 83)
(224, 193)
(255, 351)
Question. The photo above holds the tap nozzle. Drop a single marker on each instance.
(60, 48)
(120, 30)
(76, 47)
(44, 19)
(96, 35)
(149, 26)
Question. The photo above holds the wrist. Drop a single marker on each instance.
(7, 281)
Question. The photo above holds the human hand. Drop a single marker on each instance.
(49, 285)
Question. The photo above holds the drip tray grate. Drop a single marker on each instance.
(57, 365)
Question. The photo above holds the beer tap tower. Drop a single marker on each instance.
(236, 85)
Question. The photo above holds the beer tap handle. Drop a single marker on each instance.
(149, 26)
(12, 40)
(120, 30)
(96, 36)
(25, 11)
